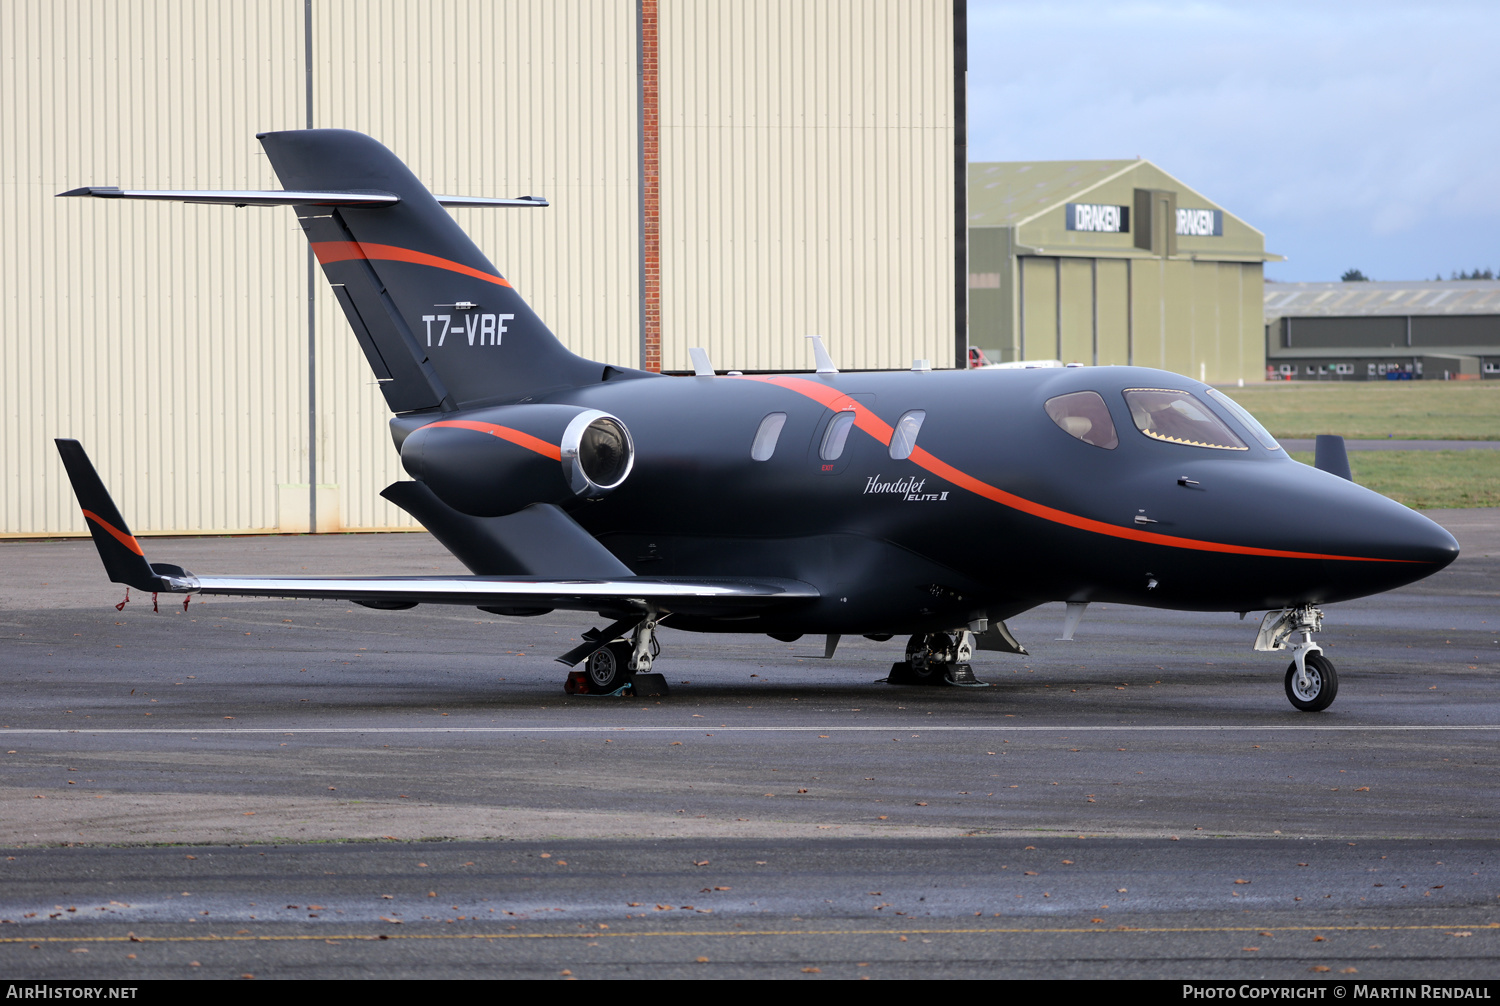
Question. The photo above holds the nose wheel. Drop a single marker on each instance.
(1311, 682)
(1315, 687)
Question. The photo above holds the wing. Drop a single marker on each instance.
(125, 562)
(706, 596)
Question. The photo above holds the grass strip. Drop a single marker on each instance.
(1425, 480)
(1376, 410)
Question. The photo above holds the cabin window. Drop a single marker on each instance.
(767, 435)
(904, 437)
(835, 435)
(1084, 415)
(1178, 418)
(1248, 421)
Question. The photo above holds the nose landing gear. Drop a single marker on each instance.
(1311, 682)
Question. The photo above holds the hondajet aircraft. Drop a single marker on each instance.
(929, 504)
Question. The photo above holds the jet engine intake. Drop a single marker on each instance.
(493, 462)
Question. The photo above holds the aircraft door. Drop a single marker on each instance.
(836, 439)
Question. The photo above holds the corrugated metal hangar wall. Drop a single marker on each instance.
(802, 182)
(1112, 262)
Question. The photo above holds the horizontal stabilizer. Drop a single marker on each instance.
(274, 197)
(540, 540)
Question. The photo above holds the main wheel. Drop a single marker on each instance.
(608, 668)
(927, 654)
(1322, 684)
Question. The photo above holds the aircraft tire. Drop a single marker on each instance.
(921, 669)
(1324, 687)
(608, 668)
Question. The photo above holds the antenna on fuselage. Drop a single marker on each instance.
(820, 355)
(702, 365)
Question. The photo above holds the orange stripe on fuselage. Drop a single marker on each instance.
(128, 540)
(343, 251)
(516, 437)
(872, 424)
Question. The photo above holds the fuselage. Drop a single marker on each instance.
(999, 508)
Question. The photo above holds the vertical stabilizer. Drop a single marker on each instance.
(441, 328)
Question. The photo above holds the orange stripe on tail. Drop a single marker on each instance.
(128, 540)
(344, 251)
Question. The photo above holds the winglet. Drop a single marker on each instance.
(1331, 456)
(124, 559)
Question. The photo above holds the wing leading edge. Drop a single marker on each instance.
(711, 595)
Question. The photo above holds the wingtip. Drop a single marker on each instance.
(92, 190)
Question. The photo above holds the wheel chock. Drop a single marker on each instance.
(639, 685)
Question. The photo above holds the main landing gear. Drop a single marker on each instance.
(1311, 682)
(614, 666)
(937, 658)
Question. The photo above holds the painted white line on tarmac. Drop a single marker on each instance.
(928, 728)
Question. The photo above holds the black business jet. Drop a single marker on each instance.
(929, 504)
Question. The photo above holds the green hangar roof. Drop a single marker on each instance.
(1086, 208)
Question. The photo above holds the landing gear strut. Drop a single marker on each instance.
(614, 665)
(937, 658)
(1311, 682)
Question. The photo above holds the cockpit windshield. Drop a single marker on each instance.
(1178, 418)
(1248, 421)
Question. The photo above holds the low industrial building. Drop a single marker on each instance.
(1112, 262)
(1369, 331)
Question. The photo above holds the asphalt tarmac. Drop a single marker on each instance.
(311, 789)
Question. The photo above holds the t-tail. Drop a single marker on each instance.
(440, 326)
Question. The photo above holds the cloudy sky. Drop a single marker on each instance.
(1354, 135)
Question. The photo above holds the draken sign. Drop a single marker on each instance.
(1100, 219)
(1200, 223)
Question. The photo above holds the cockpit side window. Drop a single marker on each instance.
(1084, 415)
(835, 435)
(1178, 418)
(1248, 421)
(766, 436)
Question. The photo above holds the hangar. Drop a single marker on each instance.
(733, 176)
(1376, 331)
(1112, 262)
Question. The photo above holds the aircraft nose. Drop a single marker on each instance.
(1366, 542)
(1425, 540)
(1404, 545)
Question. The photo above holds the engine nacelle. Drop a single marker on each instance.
(494, 462)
